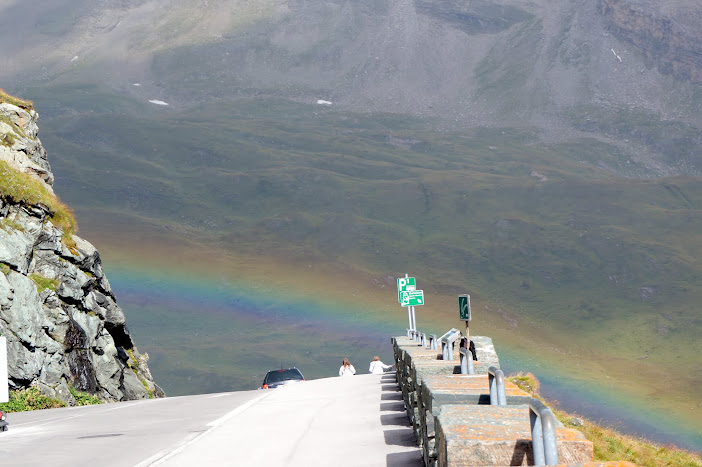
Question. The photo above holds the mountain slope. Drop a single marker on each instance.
(545, 155)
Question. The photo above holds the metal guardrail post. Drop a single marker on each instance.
(432, 342)
(424, 339)
(496, 379)
(467, 367)
(543, 434)
(409, 332)
(444, 351)
(449, 346)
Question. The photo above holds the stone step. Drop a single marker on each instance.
(489, 435)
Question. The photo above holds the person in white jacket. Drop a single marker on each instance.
(377, 367)
(346, 369)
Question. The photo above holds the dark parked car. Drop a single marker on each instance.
(275, 378)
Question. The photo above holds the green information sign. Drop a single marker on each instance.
(405, 284)
(464, 307)
(412, 298)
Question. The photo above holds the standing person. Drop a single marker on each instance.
(377, 367)
(346, 369)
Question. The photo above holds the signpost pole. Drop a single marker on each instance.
(409, 296)
(409, 314)
(464, 311)
(4, 392)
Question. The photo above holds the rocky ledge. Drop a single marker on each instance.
(667, 33)
(63, 326)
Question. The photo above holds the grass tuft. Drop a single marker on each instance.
(21, 103)
(44, 283)
(83, 398)
(23, 188)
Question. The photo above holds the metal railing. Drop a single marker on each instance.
(447, 341)
(496, 380)
(543, 434)
(467, 367)
(432, 342)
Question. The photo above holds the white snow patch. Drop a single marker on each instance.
(157, 102)
(321, 102)
(618, 57)
(75, 57)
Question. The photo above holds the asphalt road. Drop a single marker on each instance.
(118, 434)
(342, 421)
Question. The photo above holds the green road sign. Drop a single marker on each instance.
(412, 298)
(405, 284)
(464, 307)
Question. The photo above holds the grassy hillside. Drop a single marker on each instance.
(547, 230)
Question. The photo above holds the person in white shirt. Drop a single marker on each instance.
(377, 367)
(346, 369)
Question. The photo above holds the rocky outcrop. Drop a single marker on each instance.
(57, 310)
(669, 36)
(19, 145)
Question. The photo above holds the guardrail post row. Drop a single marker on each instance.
(467, 367)
(543, 434)
(496, 379)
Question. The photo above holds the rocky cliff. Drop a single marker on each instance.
(667, 33)
(57, 310)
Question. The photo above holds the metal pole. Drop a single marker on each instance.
(548, 426)
(464, 361)
(543, 434)
(537, 438)
(414, 319)
(4, 392)
(496, 380)
(467, 367)
(409, 316)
